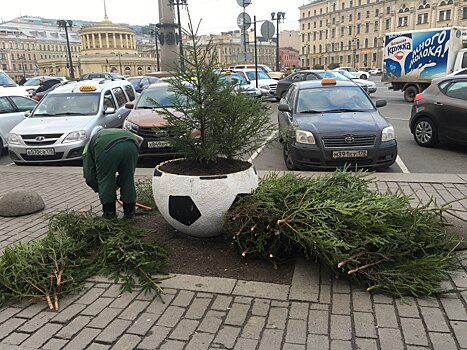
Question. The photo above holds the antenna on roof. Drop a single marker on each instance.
(105, 12)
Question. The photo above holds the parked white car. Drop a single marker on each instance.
(376, 71)
(12, 110)
(355, 72)
(367, 85)
(9, 87)
(266, 84)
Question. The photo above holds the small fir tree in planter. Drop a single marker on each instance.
(212, 125)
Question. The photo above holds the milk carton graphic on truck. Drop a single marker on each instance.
(413, 58)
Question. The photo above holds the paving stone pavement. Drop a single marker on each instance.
(317, 311)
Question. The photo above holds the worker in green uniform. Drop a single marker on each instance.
(112, 151)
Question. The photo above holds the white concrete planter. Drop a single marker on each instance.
(196, 205)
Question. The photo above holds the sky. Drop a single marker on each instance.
(216, 15)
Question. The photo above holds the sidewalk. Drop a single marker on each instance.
(317, 311)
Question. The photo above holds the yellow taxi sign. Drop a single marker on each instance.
(329, 81)
(227, 73)
(87, 88)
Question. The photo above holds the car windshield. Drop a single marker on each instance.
(261, 74)
(77, 104)
(233, 79)
(5, 80)
(333, 99)
(134, 81)
(345, 74)
(156, 97)
(32, 82)
(330, 74)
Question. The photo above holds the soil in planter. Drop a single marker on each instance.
(219, 167)
(210, 257)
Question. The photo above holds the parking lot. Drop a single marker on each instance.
(449, 159)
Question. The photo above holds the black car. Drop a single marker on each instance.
(329, 124)
(45, 86)
(440, 112)
(142, 82)
(304, 75)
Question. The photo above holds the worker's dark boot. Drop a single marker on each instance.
(109, 210)
(129, 211)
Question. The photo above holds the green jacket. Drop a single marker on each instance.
(101, 142)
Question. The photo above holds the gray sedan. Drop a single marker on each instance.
(329, 124)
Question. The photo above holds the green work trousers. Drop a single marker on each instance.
(121, 158)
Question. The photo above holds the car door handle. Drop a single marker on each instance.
(438, 104)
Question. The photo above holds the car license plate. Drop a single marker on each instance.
(158, 144)
(349, 154)
(40, 152)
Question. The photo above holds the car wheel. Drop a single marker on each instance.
(425, 132)
(410, 93)
(363, 76)
(289, 162)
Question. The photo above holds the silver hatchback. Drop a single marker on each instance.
(61, 124)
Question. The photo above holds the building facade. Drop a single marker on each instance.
(351, 32)
(289, 57)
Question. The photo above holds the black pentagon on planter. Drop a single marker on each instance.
(237, 198)
(183, 209)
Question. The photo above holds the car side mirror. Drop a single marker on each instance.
(109, 110)
(283, 107)
(381, 103)
(27, 114)
(129, 105)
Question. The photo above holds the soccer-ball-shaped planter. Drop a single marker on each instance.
(196, 205)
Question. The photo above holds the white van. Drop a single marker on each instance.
(9, 87)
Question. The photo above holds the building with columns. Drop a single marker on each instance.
(351, 32)
(109, 47)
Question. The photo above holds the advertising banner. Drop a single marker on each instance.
(416, 55)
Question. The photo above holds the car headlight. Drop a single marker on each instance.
(388, 134)
(130, 126)
(302, 136)
(13, 139)
(75, 136)
(265, 87)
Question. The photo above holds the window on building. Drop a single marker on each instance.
(349, 45)
(357, 58)
(342, 31)
(303, 26)
(403, 8)
(388, 23)
(326, 33)
(351, 4)
(358, 29)
(357, 43)
(366, 43)
(320, 35)
(314, 24)
(334, 7)
(446, 2)
(350, 30)
(375, 42)
(350, 18)
(358, 16)
(309, 36)
(359, 2)
(309, 25)
(14, 66)
(444, 15)
(424, 5)
(303, 38)
(374, 58)
(422, 18)
(349, 59)
(320, 11)
(367, 14)
(333, 20)
(342, 46)
(343, 5)
(314, 12)
(464, 13)
(314, 48)
(376, 12)
(388, 10)
(314, 36)
(308, 13)
(343, 19)
(403, 21)
(333, 33)
(367, 27)
(376, 26)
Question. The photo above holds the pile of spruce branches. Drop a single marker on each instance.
(77, 247)
(377, 239)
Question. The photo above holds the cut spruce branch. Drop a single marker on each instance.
(77, 247)
(377, 239)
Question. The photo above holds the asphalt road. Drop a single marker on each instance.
(448, 159)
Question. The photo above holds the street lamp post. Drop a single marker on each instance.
(67, 24)
(120, 62)
(277, 17)
(155, 32)
(178, 3)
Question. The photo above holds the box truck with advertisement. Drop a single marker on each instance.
(413, 58)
